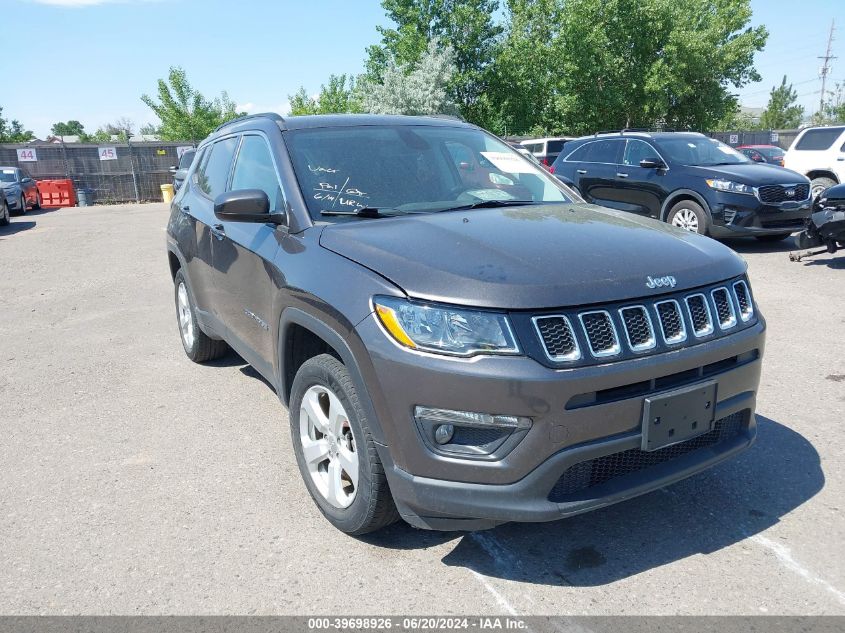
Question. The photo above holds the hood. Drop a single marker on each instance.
(754, 174)
(8, 185)
(531, 257)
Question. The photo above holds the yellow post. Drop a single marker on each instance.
(167, 192)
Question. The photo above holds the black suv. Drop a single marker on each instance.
(460, 340)
(688, 180)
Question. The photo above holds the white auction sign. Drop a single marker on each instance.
(107, 153)
(27, 155)
(734, 139)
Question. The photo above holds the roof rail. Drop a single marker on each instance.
(642, 130)
(451, 117)
(261, 115)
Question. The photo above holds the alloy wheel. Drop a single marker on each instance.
(328, 446)
(186, 317)
(686, 219)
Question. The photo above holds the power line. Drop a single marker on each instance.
(825, 70)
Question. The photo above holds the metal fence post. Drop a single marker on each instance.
(134, 175)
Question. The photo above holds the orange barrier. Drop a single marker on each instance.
(57, 193)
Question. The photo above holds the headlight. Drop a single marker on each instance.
(729, 186)
(444, 329)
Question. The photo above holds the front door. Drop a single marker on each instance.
(246, 278)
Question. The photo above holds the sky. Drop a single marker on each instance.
(91, 60)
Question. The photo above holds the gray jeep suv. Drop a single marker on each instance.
(461, 341)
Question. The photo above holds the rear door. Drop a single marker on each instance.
(243, 255)
(208, 181)
(595, 170)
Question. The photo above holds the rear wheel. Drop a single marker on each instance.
(4, 214)
(335, 451)
(777, 237)
(198, 346)
(690, 216)
(817, 185)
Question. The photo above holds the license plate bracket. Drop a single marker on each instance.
(679, 415)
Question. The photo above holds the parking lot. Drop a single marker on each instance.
(136, 482)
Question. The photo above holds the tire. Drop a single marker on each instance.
(773, 238)
(690, 216)
(22, 210)
(37, 205)
(4, 214)
(324, 397)
(198, 347)
(817, 185)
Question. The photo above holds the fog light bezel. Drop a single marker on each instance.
(513, 429)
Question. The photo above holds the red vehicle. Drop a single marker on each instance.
(763, 153)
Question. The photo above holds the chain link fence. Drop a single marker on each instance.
(781, 138)
(118, 172)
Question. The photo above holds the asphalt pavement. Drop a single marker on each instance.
(133, 481)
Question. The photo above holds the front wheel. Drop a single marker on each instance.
(4, 214)
(690, 216)
(37, 205)
(23, 206)
(335, 451)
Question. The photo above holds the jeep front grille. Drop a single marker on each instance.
(648, 326)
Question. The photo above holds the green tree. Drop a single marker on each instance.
(782, 112)
(338, 96)
(416, 90)
(149, 129)
(69, 128)
(13, 131)
(465, 26)
(184, 112)
(833, 110)
(640, 64)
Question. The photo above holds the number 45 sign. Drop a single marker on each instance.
(107, 153)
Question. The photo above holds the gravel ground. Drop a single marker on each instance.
(135, 482)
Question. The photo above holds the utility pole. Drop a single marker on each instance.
(824, 71)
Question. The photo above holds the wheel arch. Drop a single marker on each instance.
(684, 194)
(822, 173)
(295, 322)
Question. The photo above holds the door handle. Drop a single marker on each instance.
(618, 175)
(581, 171)
(841, 158)
(218, 231)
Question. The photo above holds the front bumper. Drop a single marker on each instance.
(738, 215)
(445, 492)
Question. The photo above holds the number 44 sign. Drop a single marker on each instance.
(107, 153)
(27, 155)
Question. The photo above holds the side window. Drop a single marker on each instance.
(580, 154)
(186, 159)
(819, 139)
(213, 172)
(604, 151)
(254, 169)
(636, 150)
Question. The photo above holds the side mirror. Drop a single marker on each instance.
(652, 163)
(26, 180)
(173, 168)
(246, 205)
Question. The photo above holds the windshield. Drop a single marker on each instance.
(702, 152)
(770, 152)
(412, 169)
(7, 175)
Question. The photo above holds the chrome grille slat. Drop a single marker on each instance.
(699, 314)
(558, 337)
(725, 314)
(638, 328)
(671, 321)
(743, 300)
(601, 333)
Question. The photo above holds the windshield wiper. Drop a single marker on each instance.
(368, 212)
(482, 204)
